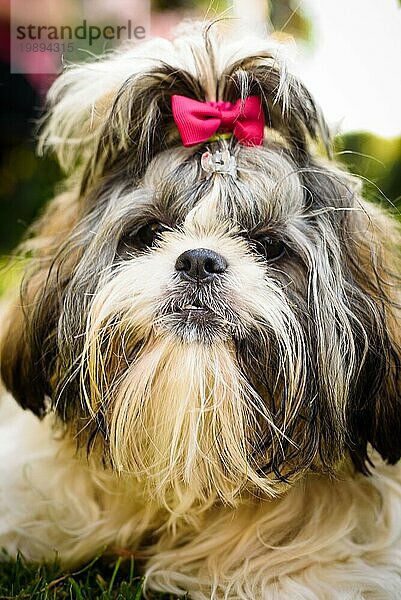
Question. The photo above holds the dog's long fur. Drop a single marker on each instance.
(241, 454)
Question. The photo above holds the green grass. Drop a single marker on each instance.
(102, 579)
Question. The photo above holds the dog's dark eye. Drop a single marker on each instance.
(269, 247)
(148, 234)
(145, 237)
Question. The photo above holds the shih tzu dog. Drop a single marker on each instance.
(207, 337)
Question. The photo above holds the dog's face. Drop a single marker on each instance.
(207, 333)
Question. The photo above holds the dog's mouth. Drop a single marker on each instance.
(195, 311)
(194, 318)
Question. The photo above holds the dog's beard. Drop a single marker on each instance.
(188, 431)
(183, 418)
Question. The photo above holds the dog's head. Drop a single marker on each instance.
(208, 332)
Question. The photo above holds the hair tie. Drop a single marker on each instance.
(220, 161)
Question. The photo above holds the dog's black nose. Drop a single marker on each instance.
(200, 264)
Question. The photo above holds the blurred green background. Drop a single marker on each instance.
(28, 182)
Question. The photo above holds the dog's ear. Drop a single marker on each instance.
(22, 366)
(29, 340)
(362, 320)
(375, 408)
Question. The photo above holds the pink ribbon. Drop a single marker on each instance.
(199, 121)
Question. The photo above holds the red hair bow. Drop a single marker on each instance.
(199, 121)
